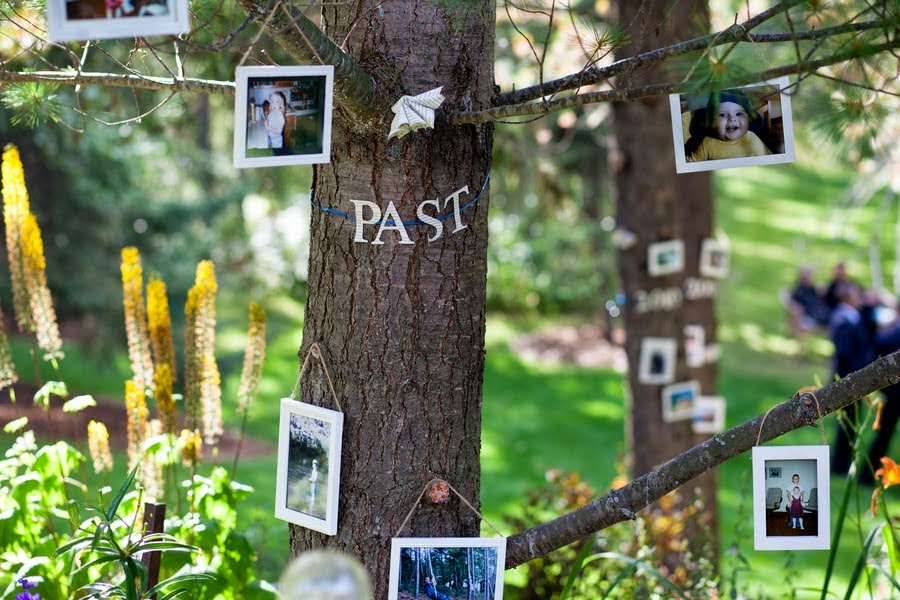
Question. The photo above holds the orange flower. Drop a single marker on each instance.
(889, 473)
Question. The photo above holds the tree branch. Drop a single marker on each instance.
(624, 503)
(354, 89)
(142, 82)
(648, 91)
(595, 75)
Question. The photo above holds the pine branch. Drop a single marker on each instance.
(354, 89)
(596, 75)
(624, 503)
(141, 82)
(649, 91)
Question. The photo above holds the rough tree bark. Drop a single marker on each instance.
(657, 205)
(403, 324)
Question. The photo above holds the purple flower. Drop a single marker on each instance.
(27, 585)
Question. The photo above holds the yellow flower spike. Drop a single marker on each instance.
(32, 303)
(191, 447)
(162, 379)
(7, 368)
(136, 407)
(254, 353)
(203, 394)
(160, 323)
(98, 444)
(136, 329)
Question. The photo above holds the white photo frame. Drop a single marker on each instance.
(657, 360)
(488, 564)
(774, 472)
(695, 345)
(714, 259)
(666, 257)
(770, 121)
(71, 20)
(306, 93)
(678, 400)
(709, 414)
(309, 458)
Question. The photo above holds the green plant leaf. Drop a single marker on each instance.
(858, 569)
(16, 425)
(179, 579)
(887, 533)
(640, 564)
(56, 388)
(79, 403)
(117, 500)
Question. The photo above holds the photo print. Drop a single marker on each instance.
(695, 345)
(791, 498)
(709, 414)
(447, 568)
(666, 257)
(309, 466)
(713, 259)
(76, 20)
(657, 361)
(678, 401)
(282, 116)
(736, 127)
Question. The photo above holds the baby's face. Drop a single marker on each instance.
(731, 121)
(276, 102)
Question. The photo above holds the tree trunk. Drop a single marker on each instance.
(401, 325)
(657, 205)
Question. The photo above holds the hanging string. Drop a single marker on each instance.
(818, 412)
(406, 223)
(260, 32)
(316, 352)
(759, 435)
(461, 497)
(801, 393)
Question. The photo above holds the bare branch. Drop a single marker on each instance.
(141, 82)
(624, 503)
(648, 91)
(354, 89)
(735, 33)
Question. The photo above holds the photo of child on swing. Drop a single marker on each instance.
(309, 457)
(447, 568)
(790, 494)
(733, 127)
(69, 20)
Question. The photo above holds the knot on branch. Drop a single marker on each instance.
(739, 32)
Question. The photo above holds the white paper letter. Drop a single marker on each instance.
(429, 220)
(391, 214)
(360, 221)
(457, 218)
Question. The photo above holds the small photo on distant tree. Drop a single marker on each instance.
(69, 20)
(447, 568)
(735, 127)
(309, 459)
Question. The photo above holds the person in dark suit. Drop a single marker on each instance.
(853, 350)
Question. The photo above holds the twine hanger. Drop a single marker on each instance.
(316, 352)
(801, 393)
(435, 482)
